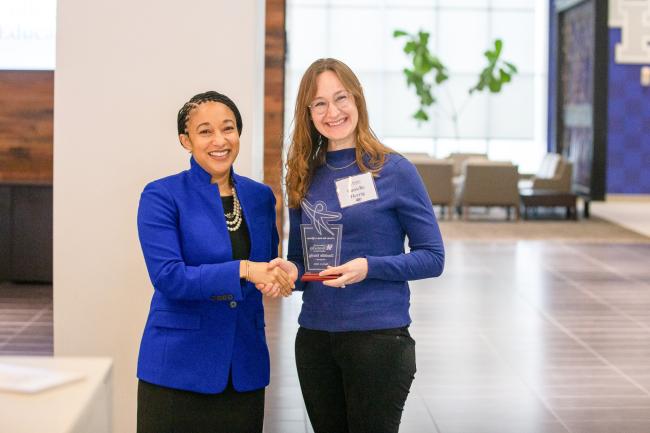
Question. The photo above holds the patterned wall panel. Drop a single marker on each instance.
(628, 111)
(576, 55)
(580, 116)
(628, 138)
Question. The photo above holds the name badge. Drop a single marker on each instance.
(356, 189)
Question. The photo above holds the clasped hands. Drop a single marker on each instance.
(273, 279)
(351, 272)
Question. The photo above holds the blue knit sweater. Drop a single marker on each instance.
(375, 230)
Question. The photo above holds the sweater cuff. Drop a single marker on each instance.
(375, 267)
(300, 285)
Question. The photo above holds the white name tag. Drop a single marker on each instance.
(356, 189)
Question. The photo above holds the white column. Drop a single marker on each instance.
(123, 70)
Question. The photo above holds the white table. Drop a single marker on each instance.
(83, 406)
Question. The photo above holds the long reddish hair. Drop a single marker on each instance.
(308, 147)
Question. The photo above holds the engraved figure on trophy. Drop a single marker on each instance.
(321, 241)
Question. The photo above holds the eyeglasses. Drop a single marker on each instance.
(320, 106)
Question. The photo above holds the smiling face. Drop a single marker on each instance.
(212, 138)
(338, 122)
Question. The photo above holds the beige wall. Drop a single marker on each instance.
(123, 70)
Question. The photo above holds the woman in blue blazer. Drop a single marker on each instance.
(207, 235)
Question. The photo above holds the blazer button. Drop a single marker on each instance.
(233, 304)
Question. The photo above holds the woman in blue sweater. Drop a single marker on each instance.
(355, 357)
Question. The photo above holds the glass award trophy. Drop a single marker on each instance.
(321, 241)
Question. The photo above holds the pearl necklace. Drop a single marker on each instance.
(234, 218)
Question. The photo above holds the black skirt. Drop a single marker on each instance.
(168, 410)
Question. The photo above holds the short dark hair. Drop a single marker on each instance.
(196, 100)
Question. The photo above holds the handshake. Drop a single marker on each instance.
(273, 279)
(278, 277)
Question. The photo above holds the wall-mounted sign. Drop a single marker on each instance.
(633, 18)
(27, 34)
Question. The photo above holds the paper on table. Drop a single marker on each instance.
(33, 379)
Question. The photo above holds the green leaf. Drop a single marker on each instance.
(495, 86)
(409, 77)
(418, 62)
(513, 68)
(421, 63)
(498, 45)
(410, 47)
(437, 64)
(398, 33)
(504, 76)
(424, 38)
(421, 116)
(426, 98)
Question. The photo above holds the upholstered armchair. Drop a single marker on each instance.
(459, 158)
(437, 176)
(489, 183)
(554, 173)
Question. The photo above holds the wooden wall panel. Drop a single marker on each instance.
(26, 117)
(274, 101)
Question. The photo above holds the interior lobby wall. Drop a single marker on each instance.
(628, 111)
(628, 129)
(123, 70)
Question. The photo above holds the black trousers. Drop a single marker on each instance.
(168, 410)
(355, 382)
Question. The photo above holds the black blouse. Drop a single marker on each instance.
(240, 238)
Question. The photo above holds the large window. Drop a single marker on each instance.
(508, 126)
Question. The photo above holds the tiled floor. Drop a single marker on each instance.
(519, 337)
(515, 337)
(25, 319)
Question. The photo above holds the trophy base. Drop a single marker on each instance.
(315, 277)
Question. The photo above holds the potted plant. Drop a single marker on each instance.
(428, 72)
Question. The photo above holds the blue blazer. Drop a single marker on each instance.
(204, 320)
